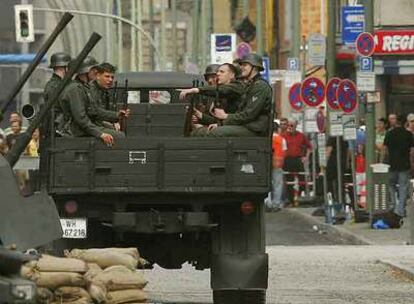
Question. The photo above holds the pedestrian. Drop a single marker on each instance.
(379, 140)
(332, 165)
(410, 119)
(3, 146)
(16, 129)
(392, 121)
(279, 148)
(33, 146)
(252, 118)
(14, 116)
(399, 142)
(297, 155)
(283, 125)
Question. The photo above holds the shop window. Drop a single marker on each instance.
(402, 84)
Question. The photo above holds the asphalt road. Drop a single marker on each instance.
(285, 228)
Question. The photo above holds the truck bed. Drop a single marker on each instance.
(145, 164)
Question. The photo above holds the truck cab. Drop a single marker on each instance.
(177, 198)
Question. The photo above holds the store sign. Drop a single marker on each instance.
(396, 42)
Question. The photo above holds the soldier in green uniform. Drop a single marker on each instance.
(252, 117)
(59, 62)
(226, 94)
(210, 74)
(82, 114)
(100, 87)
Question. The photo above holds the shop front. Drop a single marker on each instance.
(394, 65)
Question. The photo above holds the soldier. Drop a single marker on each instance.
(226, 94)
(93, 71)
(210, 74)
(102, 84)
(81, 111)
(252, 117)
(59, 62)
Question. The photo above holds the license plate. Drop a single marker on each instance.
(74, 228)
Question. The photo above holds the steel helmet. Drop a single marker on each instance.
(59, 60)
(87, 64)
(253, 59)
(211, 69)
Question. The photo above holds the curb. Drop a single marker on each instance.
(406, 270)
(335, 229)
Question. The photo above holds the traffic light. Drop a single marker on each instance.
(24, 23)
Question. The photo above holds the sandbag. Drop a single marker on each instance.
(129, 251)
(127, 296)
(93, 270)
(27, 271)
(80, 301)
(53, 264)
(97, 293)
(43, 296)
(53, 280)
(119, 278)
(70, 294)
(104, 258)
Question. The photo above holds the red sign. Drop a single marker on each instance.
(312, 91)
(295, 99)
(347, 95)
(330, 93)
(320, 121)
(365, 44)
(397, 42)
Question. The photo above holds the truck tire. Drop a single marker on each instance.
(239, 264)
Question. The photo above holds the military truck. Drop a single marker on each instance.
(178, 199)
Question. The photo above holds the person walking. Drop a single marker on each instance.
(398, 142)
(279, 148)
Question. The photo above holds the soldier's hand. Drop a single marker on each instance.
(107, 139)
(212, 127)
(185, 92)
(124, 113)
(194, 119)
(198, 114)
(117, 126)
(220, 114)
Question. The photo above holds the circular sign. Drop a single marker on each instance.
(330, 93)
(365, 44)
(243, 49)
(295, 99)
(320, 121)
(347, 95)
(312, 91)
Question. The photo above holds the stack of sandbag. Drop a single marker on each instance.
(106, 276)
(59, 280)
(115, 285)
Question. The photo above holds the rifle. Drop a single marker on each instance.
(188, 125)
(123, 121)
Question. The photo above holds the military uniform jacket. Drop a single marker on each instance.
(51, 86)
(83, 112)
(104, 99)
(254, 110)
(230, 96)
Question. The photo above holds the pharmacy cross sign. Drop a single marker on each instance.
(312, 91)
(347, 95)
(365, 44)
(295, 99)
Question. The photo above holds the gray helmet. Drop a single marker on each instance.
(59, 60)
(211, 69)
(253, 59)
(87, 64)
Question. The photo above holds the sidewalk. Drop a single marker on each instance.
(362, 234)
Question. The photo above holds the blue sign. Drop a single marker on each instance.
(353, 23)
(293, 64)
(223, 43)
(266, 66)
(366, 64)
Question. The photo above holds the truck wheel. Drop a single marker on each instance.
(239, 296)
